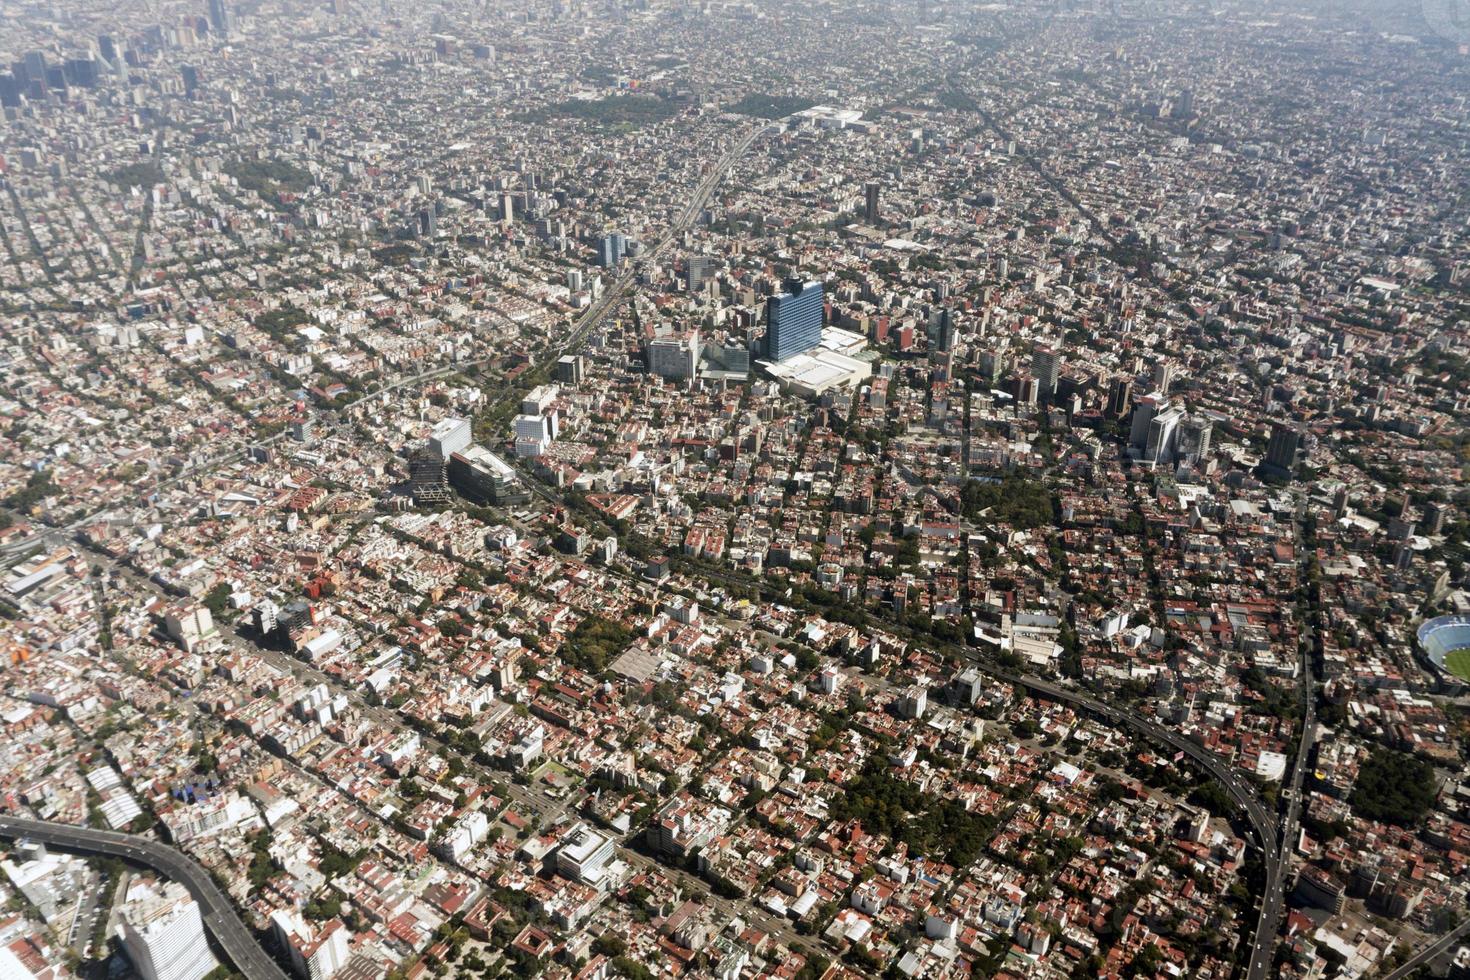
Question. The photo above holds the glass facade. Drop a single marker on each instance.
(794, 320)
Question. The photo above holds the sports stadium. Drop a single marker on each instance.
(1446, 644)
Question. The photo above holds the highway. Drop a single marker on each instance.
(219, 915)
(591, 319)
(1262, 819)
(598, 312)
(1440, 945)
(236, 940)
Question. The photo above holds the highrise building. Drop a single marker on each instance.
(426, 478)
(794, 320)
(82, 72)
(1120, 400)
(35, 67)
(675, 356)
(871, 191)
(1194, 438)
(449, 436)
(266, 616)
(570, 368)
(698, 271)
(1434, 518)
(992, 365)
(533, 434)
(163, 933)
(221, 19)
(317, 953)
(944, 339)
(1024, 389)
(1163, 376)
(1046, 367)
(1143, 415)
(1162, 431)
(1281, 451)
(611, 249)
(482, 477)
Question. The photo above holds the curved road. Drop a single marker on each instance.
(1261, 819)
(218, 914)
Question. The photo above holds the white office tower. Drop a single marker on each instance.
(163, 934)
(1162, 431)
(674, 356)
(316, 953)
(533, 434)
(450, 436)
(1144, 410)
(587, 856)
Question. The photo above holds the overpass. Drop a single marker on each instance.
(214, 907)
(1261, 819)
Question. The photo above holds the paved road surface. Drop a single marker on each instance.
(218, 914)
(1444, 943)
(1261, 819)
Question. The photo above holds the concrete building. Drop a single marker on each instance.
(449, 437)
(189, 627)
(1144, 410)
(1281, 452)
(317, 953)
(1046, 368)
(484, 478)
(586, 855)
(571, 368)
(426, 478)
(675, 356)
(1193, 442)
(533, 434)
(1163, 428)
(163, 934)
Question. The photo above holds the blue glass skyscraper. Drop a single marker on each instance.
(794, 320)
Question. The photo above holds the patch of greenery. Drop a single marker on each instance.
(37, 488)
(144, 173)
(631, 111)
(595, 643)
(928, 824)
(1016, 500)
(764, 106)
(217, 600)
(263, 867)
(267, 177)
(1394, 787)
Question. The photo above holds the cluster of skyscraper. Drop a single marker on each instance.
(1164, 433)
(611, 249)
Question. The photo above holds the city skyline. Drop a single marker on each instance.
(622, 488)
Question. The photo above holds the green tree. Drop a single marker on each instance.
(1394, 787)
